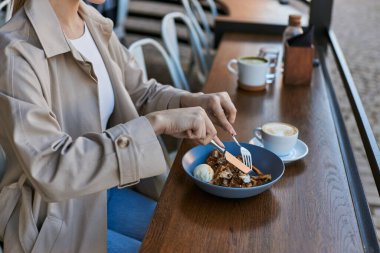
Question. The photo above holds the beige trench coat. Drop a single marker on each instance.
(59, 162)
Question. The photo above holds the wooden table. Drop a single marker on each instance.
(256, 16)
(259, 11)
(309, 210)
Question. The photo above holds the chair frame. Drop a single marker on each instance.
(122, 14)
(213, 8)
(170, 39)
(8, 4)
(193, 9)
(136, 49)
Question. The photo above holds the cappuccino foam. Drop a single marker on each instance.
(280, 129)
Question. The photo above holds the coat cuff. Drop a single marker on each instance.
(138, 152)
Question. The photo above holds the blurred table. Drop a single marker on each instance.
(309, 210)
(265, 16)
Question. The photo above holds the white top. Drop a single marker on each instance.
(87, 47)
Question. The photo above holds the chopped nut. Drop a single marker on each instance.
(226, 174)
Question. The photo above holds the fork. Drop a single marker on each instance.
(246, 155)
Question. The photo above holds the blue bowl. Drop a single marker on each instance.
(266, 161)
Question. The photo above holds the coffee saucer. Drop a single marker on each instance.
(299, 151)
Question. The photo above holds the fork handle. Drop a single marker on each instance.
(222, 150)
(234, 138)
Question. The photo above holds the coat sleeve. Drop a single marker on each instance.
(58, 166)
(147, 96)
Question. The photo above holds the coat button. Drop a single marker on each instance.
(122, 142)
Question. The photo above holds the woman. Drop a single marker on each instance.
(76, 120)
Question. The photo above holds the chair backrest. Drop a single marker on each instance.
(122, 14)
(170, 39)
(136, 49)
(2, 162)
(213, 8)
(198, 16)
(8, 5)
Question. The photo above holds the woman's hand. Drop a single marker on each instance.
(192, 123)
(218, 106)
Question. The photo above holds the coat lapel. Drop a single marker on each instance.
(101, 31)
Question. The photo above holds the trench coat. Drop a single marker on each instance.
(59, 162)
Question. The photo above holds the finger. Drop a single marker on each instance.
(210, 128)
(212, 132)
(180, 135)
(189, 134)
(199, 129)
(228, 107)
(208, 139)
(201, 124)
(200, 142)
(222, 120)
(218, 141)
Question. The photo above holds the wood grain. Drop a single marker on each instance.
(259, 11)
(308, 210)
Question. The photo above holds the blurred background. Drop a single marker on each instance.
(356, 25)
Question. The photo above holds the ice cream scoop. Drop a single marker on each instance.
(203, 172)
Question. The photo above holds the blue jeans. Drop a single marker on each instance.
(129, 215)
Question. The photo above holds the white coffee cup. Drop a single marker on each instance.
(280, 138)
(251, 72)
